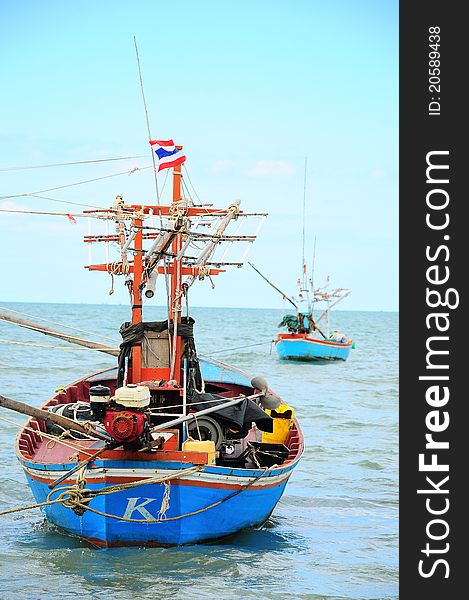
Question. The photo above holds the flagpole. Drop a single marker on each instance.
(168, 300)
(147, 121)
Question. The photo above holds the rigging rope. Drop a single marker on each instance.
(42, 212)
(61, 187)
(192, 185)
(77, 497)
(103, 216)
(73, 496)
(166, 278)
(67, 201)
(270, 341)
(78, 162)
(81, 505)
(147, 120)
(186, 190)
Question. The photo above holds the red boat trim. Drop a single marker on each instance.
(285, 337)
(182, 482)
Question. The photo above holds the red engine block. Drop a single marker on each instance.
(125, 425)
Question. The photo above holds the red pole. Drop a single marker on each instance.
(176, 276)
(137, 301)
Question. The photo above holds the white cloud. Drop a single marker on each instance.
(10, 205)
(264, 168)
(222, 165)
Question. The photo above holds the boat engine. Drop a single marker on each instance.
(124, 415)
(125, 426)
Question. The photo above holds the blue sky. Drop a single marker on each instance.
(249, 89)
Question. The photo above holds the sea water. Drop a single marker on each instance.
(334, 533)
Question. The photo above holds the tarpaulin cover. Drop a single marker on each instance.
(240, 415)
(132, 333)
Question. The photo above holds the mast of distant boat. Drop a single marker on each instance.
(303, 285)
(311, 281)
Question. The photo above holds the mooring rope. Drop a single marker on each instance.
(77, 497)
(270, 341)
(83, 505)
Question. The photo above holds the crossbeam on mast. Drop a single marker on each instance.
(118, 269)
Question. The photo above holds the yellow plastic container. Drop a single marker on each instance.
(191, 445)
(283, 417)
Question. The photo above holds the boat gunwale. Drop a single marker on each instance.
(107, 463)
(304, 337)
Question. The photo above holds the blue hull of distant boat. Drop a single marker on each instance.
(304, 348)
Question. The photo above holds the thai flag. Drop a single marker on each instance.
(167, 153)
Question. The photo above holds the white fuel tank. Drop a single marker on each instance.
(132, 396)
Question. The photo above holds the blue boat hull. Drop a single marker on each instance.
(145, 504)
(310, 349)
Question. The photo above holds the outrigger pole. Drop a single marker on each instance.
(285, 297)
(72, 339)
(201, 262)
(45, 415)
(332, 305)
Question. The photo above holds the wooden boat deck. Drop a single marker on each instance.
(41, 450)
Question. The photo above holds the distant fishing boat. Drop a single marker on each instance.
(166, 448)
(305, 340)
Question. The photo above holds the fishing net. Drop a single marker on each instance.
(289, 321)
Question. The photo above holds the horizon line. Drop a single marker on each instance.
(193, 306)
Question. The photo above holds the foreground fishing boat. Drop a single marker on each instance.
(166, 448)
